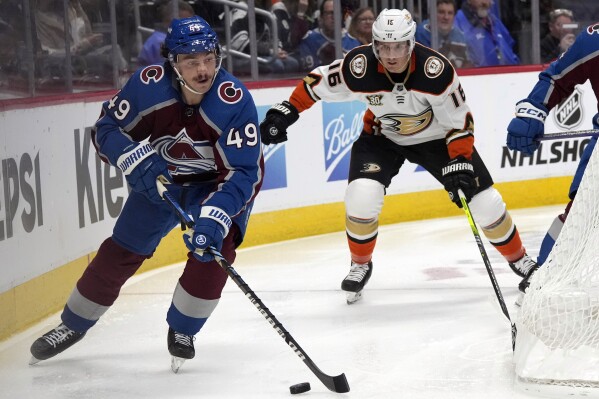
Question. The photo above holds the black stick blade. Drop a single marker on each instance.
(341, 385)
(336, 384)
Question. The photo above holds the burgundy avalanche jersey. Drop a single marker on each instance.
(215, 140)
(577, 65)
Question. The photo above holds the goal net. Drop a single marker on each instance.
(557, 346)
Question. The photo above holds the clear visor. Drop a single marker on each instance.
(392, 49)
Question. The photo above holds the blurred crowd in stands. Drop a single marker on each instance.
(53, 46)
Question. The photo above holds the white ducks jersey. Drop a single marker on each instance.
(424, 103)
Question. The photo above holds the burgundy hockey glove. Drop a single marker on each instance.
(273, 129)
(459, 174)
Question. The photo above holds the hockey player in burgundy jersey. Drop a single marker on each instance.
(577, 65)
(417, 111)
(195, 124)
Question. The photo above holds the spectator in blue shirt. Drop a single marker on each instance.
(489, 41)
(318, 46)
(452, 43)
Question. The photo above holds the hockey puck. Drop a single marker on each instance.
(299, 388)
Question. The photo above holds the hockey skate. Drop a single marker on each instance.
(354, 282)
(180, 347)
(54, 342)
(525, 268)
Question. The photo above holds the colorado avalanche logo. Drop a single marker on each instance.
(569, 114)
(593, 29)
(229, 93)
(184, 155)
(152, 73)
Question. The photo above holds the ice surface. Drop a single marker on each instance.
(428, 326)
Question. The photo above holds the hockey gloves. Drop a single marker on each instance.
(273, 129)
(527, 127)
(211, 228)
(141, 166)
(459, 174)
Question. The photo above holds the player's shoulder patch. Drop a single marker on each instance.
(227, 100)
(151, 74)
(586, 45)
(357, 66)
(433, 67)
(229, 93)
(593, 29)
(433, 73)
(148, 86)
(359, 71)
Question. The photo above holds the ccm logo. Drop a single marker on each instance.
(532, 112)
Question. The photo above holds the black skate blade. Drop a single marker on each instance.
(176, 363)
(353, 297)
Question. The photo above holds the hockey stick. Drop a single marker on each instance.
(338, 383)
(569, 135)
(485, 257)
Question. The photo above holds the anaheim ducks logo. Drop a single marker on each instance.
(407, 125)
(370, 167)
(433, 67)
(357, 66)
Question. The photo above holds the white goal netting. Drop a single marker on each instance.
(557, 346)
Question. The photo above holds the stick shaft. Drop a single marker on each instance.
(485, 258)
(569, 135)
(337, 383)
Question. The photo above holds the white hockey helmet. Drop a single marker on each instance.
(393, 26)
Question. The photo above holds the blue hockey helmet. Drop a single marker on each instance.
(190, 35)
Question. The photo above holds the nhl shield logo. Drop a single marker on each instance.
(568, 114)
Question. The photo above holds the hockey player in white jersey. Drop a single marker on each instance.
(417, 111)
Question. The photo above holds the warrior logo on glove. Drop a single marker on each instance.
(200, 240)
(457, 167)
(458, 174)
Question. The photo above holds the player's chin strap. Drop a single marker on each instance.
(185, 85)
